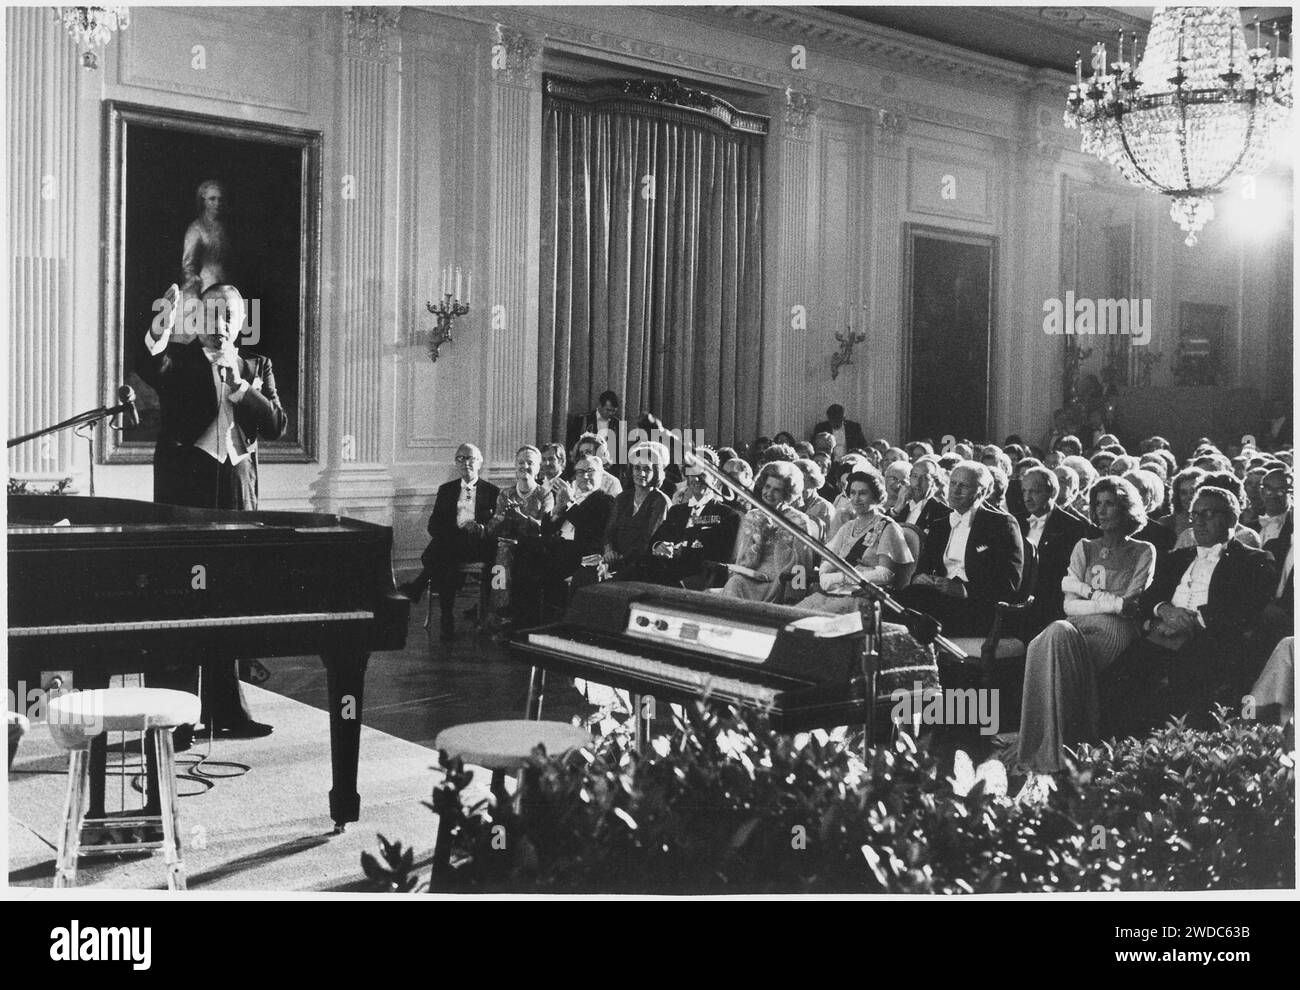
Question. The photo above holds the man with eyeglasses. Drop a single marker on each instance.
(457, 525)
(700, 527)
(1200, 604)
(575, 535)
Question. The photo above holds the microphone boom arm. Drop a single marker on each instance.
(82, 418)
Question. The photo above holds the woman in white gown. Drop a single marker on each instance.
(1102, 585)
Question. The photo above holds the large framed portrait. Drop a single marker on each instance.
(949, 305)
(194, 200)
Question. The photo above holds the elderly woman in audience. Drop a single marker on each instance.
(1105, 579)
(575, 537)
(870, 541)
(639, 511)
(764, 551)
(517, 524)
(813, 505)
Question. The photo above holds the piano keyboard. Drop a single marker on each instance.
(213, 622)
(698, 681)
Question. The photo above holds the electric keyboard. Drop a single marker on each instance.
(800, 669)
(101, 586)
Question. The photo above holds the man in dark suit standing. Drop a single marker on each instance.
(603, 421)
(848, 434)
(972, 559)
(458, 527)
(215, 403)
(1201, 602)
(1053, 534)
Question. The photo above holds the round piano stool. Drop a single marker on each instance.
(75, 719)
(503, 746)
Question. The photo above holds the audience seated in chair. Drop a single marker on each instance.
(701, 528)
(1201, 602)
(764, 551)
(458, 527)
(871, 541)
(971, 560)
(1053, 533)
(1100, 598)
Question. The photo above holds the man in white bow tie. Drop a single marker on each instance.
(215, 404)
(1200, 603)
(457, 526)
(972, 558)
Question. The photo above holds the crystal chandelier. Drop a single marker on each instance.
(92, 27)
(1197, 109)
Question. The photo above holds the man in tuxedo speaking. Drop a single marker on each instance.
(216, 402)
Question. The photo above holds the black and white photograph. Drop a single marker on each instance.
(679, 451)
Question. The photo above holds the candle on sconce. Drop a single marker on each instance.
(1256, 32)
(457, 282)
(444, 281)
(1120, 57)
(1276, 35)
(469, 288)
(1078, 69)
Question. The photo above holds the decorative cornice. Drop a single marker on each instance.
(844, 36)
(564, 35)
(370, 30)
(515, 57)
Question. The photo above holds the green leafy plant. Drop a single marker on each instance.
(726, 807)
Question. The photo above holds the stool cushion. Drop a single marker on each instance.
(77, 717)
(507, 744)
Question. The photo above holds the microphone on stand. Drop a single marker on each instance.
(126, 405)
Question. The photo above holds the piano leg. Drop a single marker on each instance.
(345, 674)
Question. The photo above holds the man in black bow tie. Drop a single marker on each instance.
(457, 526)
(923, 504)
(1053, 532)
(971, 560)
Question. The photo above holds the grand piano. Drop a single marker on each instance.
(101, 586)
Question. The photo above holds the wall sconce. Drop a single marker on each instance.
(448, 308)
(848, 340)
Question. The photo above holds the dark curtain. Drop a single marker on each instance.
(652, 267)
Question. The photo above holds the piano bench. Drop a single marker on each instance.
(75, 719)
(505, 746)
